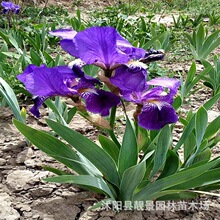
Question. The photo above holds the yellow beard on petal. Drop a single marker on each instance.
(157, 103)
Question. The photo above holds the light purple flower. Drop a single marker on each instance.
(101, 46)
(156, 103)
(44, 82)
(10, 6)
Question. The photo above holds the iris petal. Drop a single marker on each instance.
(70, 47)
(155, 116)
(98, 45)
(127, 48)
(44, 81)
(171, 83)
(129, 78)
(38, 101)
(101, 46)
(67, 34)
(29, 69)
(101, 101)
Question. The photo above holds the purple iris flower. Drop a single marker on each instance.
(44, 82)
(100, 46)
(10, 6)
(156, 103)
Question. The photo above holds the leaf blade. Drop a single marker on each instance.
(96, 155)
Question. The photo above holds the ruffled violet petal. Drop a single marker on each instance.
(155, 94)
(67, 34)
(7, 5)
(10, 6)
(68, 41)
(38, 101)
(127, 48)
(130, 78)
(170, 83)
(16, 9)
(29, 69)
(70, 47)
(100, 102)
(156, 115)
(44, 81)
(97, 45)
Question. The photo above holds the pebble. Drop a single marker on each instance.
(27, 215)
(30, 163)
(2, 161)
(23, 207)
(41, 191)
(22, 156)
(88, 215)
(18, 179)
(36, 216)
(10, 147)
(6, 211)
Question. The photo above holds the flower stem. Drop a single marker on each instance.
(112, 123)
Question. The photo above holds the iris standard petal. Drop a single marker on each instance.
(67, 34)
(68, 42)
(156, 93)
(100, 102)
(127, 48)
(130, 78)
(97, 45)
(156, 115)
(170, 83)
(10, 6)
(84, 81)
(7, 5)
(70, 47)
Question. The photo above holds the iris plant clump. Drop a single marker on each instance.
(143, 164)
(122, 77)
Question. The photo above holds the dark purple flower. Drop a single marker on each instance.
(44, 82)
(10, 6)
(156, 103)
(101, 46)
